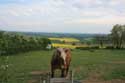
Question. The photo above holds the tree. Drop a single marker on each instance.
(45, 42)
(11, 43)
(118, 34)
(1, 34)
(123, 35)
(101, 40)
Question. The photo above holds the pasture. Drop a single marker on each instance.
(87, 65)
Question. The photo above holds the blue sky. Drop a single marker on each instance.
(70, 16)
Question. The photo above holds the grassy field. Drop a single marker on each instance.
(100, 64)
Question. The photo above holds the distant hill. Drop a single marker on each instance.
(60, 35)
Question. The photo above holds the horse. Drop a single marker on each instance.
(61, 60)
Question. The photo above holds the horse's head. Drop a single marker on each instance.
(60, 56)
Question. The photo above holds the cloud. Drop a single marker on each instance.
(101, 21)
(49, 13)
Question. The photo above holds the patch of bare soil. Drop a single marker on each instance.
(38, 72)
(97, 78)
(32, 81)
(78, 69)
(94, 76)
(109, 81)
(36, 76)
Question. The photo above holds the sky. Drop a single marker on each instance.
(66, 16)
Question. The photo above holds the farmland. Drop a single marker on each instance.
(63, 45)
(99, 64)
(71, 43)
(91, 59)
(65, 39)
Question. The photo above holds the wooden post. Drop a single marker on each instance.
(40, 79)
(49, 77)
(44, 81)
(71, 76)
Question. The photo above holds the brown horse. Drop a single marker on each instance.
(61, 60)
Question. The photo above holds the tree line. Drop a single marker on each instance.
(116, 39)
(14, 43)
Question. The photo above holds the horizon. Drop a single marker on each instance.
(51, 32)
(61, 16)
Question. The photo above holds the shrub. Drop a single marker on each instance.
(83, 48)
(87, 48)
(109, 47)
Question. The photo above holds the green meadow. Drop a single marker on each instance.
(99, 64)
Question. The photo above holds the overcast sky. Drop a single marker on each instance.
(70, 16)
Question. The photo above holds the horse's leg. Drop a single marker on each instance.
(67, 69)
(62, 72)
(52, 71)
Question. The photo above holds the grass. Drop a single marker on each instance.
(100, 64)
